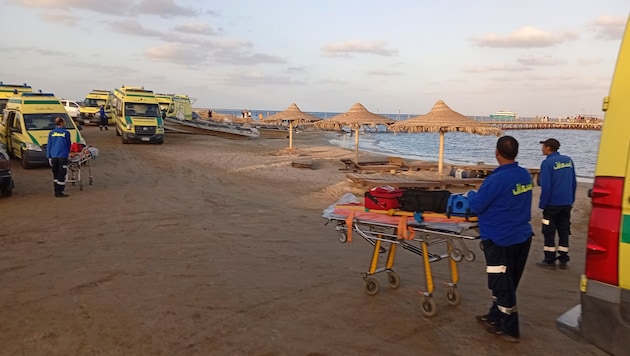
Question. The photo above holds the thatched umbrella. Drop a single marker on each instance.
(293, 114)
(355, 118)
(443, 119)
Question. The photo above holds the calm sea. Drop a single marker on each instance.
(462, 148)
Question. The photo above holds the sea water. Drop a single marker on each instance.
(465, 149)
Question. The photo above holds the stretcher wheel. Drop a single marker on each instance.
(393, 279)
(370, 286)
(456, 254)
(470, 256)
(342, 236)
(452, 296)
(80, 185)
(91, 180)
(428, 307)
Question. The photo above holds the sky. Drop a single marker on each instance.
(536, 58)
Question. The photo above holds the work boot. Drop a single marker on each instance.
(545, 264)
(493, 330)
(563, 265)
(484, 320)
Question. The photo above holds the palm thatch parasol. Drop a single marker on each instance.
(294, 115)
(443, 119)
(355, 118)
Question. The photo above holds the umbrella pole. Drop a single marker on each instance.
(356, 145)
(290, 135)
(441, 156)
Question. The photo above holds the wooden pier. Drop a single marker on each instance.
(533, 125)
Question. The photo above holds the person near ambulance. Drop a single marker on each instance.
(558, 183)
(103, 117)
(57, 152)
(503, 204)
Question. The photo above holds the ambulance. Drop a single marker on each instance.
(177, 106)
(26, 121)
(603, 317)
(137, 116)
(9, 90)
(89, 112)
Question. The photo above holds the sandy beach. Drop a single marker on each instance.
(210, 246)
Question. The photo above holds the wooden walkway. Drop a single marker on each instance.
(400, 181)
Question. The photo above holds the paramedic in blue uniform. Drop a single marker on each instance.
(103, 117)
(557, 194)
(503, 204)
(57, 152)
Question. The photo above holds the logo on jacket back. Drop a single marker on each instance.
(58, 134)
(522, 188)
(560, 165)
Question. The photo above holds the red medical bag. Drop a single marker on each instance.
(383, 198)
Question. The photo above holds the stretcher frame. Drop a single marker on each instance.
(379, 233)
(75, 162)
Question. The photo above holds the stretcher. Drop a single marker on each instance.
(386, 230)
(77, 161)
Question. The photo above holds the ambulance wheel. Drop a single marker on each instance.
(452, 296)
(470, 256)
(343, 237)
(370, 286)
(428, 307)
(393, 279)
(25, 164)
(456, 254)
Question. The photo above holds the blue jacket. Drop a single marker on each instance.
(557, 181)
(101, 112)
(58, 143)
(504, 205)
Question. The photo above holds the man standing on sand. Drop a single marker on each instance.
(103, 123)
(57, 152)
(557, 194)
(503, 205)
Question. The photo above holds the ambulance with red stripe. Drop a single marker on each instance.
(603, 317)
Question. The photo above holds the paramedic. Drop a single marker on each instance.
(103, 124)
(503, 205)
(57, 152)
(557, 194)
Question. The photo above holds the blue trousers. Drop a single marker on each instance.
(505, 266)
(59, 171)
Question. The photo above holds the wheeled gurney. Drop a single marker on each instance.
(396, 228)
(78, 160)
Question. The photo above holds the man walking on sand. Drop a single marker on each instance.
(557, 194)
(57, 152)
(103, 117)
(503, 205)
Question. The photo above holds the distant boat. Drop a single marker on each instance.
(269, 131)
(207, 127)
(504, 116)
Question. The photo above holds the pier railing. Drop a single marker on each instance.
(536, 124)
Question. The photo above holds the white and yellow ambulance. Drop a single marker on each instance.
(26, 121)
(603, 317)
(137, 116)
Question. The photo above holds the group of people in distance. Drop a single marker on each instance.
(503, 206)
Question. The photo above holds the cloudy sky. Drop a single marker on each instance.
(536, 57)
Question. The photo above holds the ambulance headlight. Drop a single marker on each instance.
(33, 147)
(129, 126)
